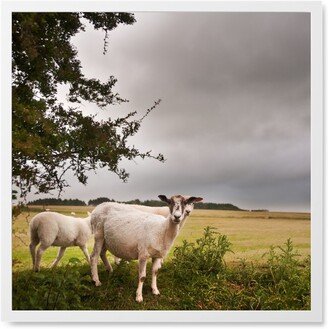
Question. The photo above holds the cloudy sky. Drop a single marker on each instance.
(234, 122)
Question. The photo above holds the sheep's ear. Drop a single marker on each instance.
(194, 199)
(164, 198)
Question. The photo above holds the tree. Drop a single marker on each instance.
(48, 138)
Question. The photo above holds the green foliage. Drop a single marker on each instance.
(18, 209)
(282, 283)
(14, 195)
(55, 289)
(48, 138)
(196, 278)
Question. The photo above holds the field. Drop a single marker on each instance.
(251, 234)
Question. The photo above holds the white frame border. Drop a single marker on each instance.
(315, 314)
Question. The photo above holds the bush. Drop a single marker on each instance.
(205, 257)
(281, 283)
(198, 270)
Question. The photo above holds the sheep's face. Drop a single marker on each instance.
(189, 208)
(179, 206)
(190, 201)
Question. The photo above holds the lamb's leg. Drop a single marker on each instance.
(61, 252)
(39, 253)
(157, 264)
(86, 253)
(142, 277)
(99, 241)
(105, 260)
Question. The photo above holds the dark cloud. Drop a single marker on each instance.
(234, 123)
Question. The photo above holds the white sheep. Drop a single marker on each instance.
(130, 233)
(164, 211)
(54, 229)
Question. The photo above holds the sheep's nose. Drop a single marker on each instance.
(177, 216)
(188, 212)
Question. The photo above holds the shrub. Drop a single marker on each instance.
(287, 277)
(205, 257)
(281, 283)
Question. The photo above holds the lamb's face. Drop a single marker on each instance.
(180, 206)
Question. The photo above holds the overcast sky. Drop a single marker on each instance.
(234, 122)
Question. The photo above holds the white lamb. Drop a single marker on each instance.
(54, 229)
(130, 233)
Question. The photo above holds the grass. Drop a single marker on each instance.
(243, 279)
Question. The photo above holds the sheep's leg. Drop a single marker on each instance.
(86, 253)
(105, 260)
(142, 277)
(61, 252)
(157, 264)
(32, 251)
(39, 253)
(99, 241)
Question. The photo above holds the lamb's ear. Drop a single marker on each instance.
(194, 199)
(164, 198)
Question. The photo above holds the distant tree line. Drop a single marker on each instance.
(95, 202)
(58, 202)
(216, 206)
(151, 203)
